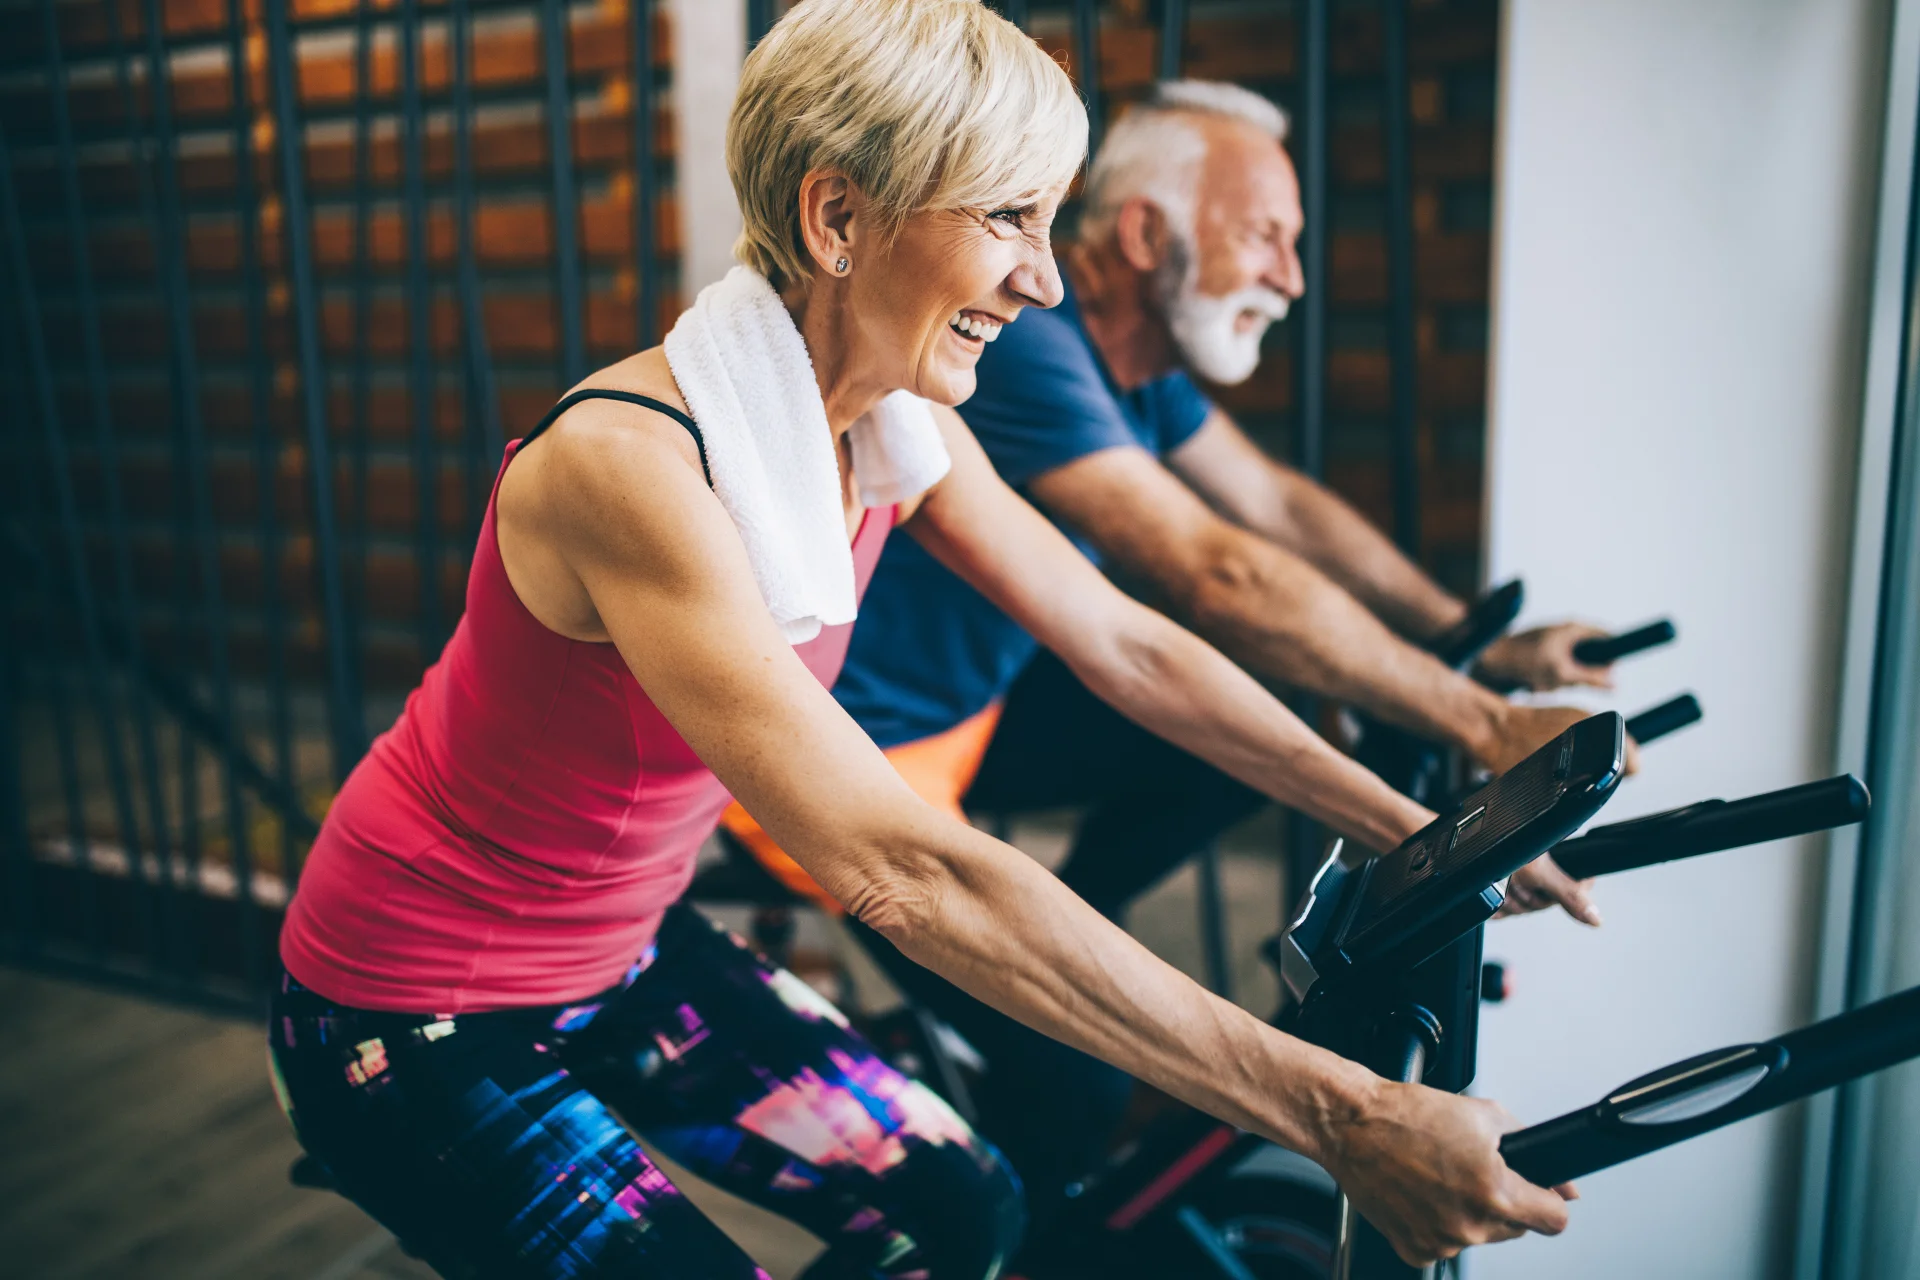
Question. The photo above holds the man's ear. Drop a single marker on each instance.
(830, 207)
(1142, 233)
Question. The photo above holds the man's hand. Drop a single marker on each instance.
(1541, 883)
(1542, 659)
(1523, 730)
(1424, 1168)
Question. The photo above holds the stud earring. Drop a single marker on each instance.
(840, 267)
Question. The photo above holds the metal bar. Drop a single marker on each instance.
(157, 892)
(566, 203)
(1303, 834)
(1312, 308)
(1893, 758)
(759, 21)
(1086, 59)
(1403, 360)
(1831, 1221)
(60, 478)
(16, 843)
(343, 695)
(173, 271)
(1173, 37)
(646, 268)
(186, 762)
(484, 443)
(361, 382)
(266, 438)
(420, 379)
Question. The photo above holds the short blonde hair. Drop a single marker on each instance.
(923, 104)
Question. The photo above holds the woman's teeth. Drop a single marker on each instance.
(975, 326)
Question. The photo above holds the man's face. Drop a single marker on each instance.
(1239, 271)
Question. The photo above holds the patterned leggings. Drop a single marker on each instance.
(488, 1142)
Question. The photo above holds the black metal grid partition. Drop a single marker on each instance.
(277, 279)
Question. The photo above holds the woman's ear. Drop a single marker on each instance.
(830, 206)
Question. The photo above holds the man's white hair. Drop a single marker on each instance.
(1155, 150)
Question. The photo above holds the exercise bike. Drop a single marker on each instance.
(1396, 986)
(1358, 965)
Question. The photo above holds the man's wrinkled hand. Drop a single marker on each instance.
(1523, 730)
(1542, 659)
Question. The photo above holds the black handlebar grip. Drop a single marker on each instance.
(1658, 722)
(1716, 1089)
(1490, 615)
(1602, 650)
(1709, 826)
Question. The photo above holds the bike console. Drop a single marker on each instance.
(1388, 914)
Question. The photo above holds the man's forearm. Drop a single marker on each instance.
(1283, 619)
(1322, 529)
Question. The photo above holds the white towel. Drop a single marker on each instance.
(744, 372)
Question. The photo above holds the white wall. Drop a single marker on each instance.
(710, 38)
(1684, 214)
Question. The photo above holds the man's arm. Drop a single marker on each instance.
(1248, 487)
(1251, 489)
(1277, 614)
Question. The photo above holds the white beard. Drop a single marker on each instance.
(1205, 328)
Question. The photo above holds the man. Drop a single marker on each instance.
(1185, 256)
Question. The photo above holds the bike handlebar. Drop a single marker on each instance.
(1712, 825)
(1602, 650)
(1490, 615)
(1658, 722)
(1716, 1089)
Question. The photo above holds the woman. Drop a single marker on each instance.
(483, 965)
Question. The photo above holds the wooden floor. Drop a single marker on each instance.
(141, 1141)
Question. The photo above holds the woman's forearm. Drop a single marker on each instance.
(1007, 932)
(1181, 688)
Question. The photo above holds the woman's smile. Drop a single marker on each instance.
(975, 328)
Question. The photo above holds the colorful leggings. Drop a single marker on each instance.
(489, 1143)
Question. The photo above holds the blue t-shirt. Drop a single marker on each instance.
(928, 650)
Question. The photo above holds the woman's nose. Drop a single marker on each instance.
(1037, 280)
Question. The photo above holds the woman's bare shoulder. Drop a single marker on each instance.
(643, 373)
(604, 450)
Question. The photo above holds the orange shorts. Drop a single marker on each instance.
(939, 769)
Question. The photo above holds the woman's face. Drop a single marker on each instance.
(928, 304)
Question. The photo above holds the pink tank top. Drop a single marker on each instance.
(516, 836)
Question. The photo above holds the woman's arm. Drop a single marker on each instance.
(1147, 666)
(631, 520)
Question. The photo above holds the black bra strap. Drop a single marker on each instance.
(626, 397)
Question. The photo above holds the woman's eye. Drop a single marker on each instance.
(1013, 217)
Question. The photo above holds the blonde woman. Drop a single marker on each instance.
(488, 980)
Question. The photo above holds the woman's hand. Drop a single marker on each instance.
(1542, 659)
(1424, 1168)
(1541, 884)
